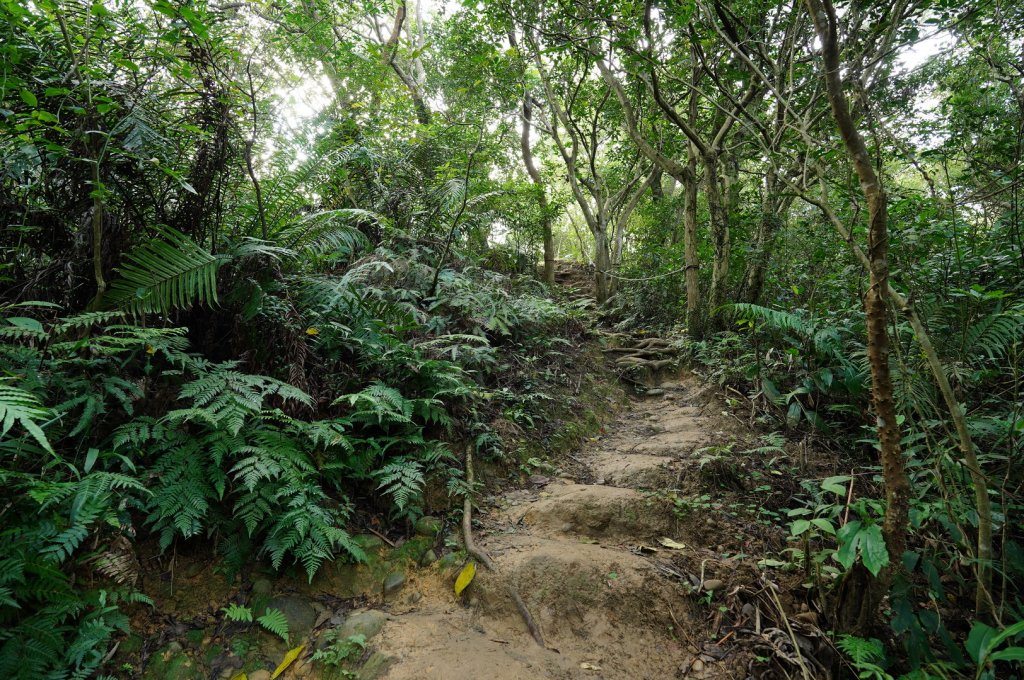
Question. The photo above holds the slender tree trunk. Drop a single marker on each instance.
(897, 484)
(773, 209)
(602, 262)
(542, 199)
(719, 231)
(98, 214)
(690, 261)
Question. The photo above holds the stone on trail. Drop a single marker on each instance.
(367, 623)
(393, 583)
(298, 611)
(427, 526)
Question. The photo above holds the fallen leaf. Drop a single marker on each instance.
(647, 548)
(589, 666)
(669, 543)
(312, 331)
(465, 577)
(288, 660)
(239, 676)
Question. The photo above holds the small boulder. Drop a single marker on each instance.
(375, 666)
(428, 558)
(393, 583)
(428, 526)
(172, 663)
(300, 614)
(262, 587)
(367, 624)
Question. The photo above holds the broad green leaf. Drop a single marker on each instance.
(793, 414)
(824, 525)
(835, 484)
(872, 549)
(29, 98)
(1012, 631)
(1008, 654)
(26, 323)
(799, 527)
(979, 641)
(90, 459)
(849, 537)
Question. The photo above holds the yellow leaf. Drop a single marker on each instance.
(669, 543)
(289, 658)
(465, 577)
(239, 676)
(312, 331)
(150, 349)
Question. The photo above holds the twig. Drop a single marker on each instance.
(381, 537)
(849, 499)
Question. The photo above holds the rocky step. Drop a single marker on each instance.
(596, 512)
(601, 611)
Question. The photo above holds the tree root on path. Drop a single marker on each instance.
(485, 559)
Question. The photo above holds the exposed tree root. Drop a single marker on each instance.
(485, 559)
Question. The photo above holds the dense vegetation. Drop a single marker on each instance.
(267, 268)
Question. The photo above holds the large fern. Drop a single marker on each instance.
(327, 231)
(994, 334)
(169, 272)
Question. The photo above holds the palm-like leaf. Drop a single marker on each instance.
(169, 272)
(330, 230)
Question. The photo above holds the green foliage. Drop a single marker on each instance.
(272, 619)
(865, 655)
(985, 646)
(237, 612)
(168, 272)
(276, 345)
(23, 408)
(336, 652)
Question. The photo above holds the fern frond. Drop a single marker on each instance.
(773, 318)
(18, 406)
(996, 333)
(860, 650)
(275, 621)
(401, 479)
(169, 272)
(327, 231)
(237, 612)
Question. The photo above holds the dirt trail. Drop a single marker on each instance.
(584, 552)
(636, 556)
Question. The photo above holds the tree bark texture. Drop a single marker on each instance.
(897, 484)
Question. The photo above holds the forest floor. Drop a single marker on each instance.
(656, 550)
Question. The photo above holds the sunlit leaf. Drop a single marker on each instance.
(465, 577)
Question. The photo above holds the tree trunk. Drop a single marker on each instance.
(602, 262)
(897, 484)
(719, 232)
(690, 262)
(542, 199)
(773, 209)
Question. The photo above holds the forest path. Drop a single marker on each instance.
(587, 552)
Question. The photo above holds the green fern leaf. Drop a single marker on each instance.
(169, 272)
(274, 620)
